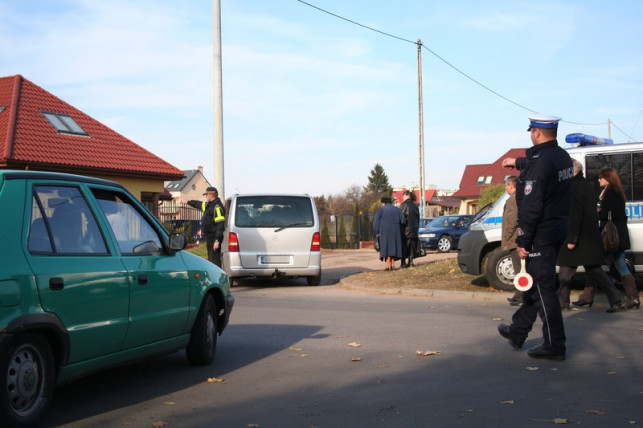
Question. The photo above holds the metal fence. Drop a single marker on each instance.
(346, 230)
(180, 218)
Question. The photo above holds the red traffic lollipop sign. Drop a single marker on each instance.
(523, 281)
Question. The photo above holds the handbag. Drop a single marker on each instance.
(609, 235)
(376, 243)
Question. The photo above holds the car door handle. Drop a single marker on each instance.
(142, 280)
(56, 283)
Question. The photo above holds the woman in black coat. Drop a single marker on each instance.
(583, 246)
(612, 200)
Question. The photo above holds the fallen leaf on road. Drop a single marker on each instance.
(533, 369)
(556, 420)
(508, 402)
(342, 336)
(159, 424)
(215, 380)
(382, 366)
(354, 345)
(595, 412)
(611, 373)
(620, 357)
(170, 403)
(292, 348)
(356, 359)
(496, 319)
(426, 353)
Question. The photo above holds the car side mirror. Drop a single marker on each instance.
(178, 241)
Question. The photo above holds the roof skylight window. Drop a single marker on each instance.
(64, 123)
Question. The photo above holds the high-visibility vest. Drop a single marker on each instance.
(217, 209)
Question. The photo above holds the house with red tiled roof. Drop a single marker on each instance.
(478, 177)
(39, 131)
(435, 204)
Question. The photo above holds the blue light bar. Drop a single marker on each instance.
(587, 140)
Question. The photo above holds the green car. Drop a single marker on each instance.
(89, 279)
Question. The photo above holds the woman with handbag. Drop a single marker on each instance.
(612, 204)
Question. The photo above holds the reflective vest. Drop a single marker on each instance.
(217, 209)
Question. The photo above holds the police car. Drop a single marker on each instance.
(480, 251)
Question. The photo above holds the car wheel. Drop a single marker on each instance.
(314, 280)
(203, 340)
(27, 377)
(444, 244)
(499, 270)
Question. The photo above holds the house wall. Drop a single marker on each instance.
(136, 185)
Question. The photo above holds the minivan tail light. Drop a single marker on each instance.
(233, 243)
(315, 244)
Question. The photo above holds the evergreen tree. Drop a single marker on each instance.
(367, 226)
(325, 237)
(378, 183)
(355, 227)
(341, 234)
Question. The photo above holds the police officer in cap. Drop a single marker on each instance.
(212, 222)
(544, 196)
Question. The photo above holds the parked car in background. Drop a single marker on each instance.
(443, 233)
(91, 280)
(425, 221)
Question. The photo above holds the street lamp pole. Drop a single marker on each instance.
(218, 101)
(421, 127)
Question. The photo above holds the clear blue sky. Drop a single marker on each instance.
(312, 102)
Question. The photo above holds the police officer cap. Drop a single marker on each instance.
(211, 190)
(543, 121)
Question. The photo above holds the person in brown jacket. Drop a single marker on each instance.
(510, 232)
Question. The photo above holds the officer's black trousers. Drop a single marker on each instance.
(542, 299)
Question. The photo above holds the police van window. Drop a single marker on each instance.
(637, 180)
(135, 236)
(628, 167)
(62, 223)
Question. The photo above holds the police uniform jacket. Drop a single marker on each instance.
(583, 229)
(543, 194)
(613, 201)
(213, 219)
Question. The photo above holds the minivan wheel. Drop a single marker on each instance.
(314, 280)
(203, 340)
(27, 376)
(444, 244)
(499, 270)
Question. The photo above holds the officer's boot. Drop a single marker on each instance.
(587, 297)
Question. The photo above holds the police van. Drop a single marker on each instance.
(480, 251)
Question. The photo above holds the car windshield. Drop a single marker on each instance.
(439, 222)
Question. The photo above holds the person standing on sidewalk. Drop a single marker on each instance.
(410, 236)
(212, 222)
(583, 246)
(510, 232)
(544, 197)
(387, 225)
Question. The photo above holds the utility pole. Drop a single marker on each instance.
(218, 102)
(421, 127)
(609, 129)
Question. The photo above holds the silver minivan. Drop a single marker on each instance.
(272, 235)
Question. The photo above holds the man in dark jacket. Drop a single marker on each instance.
(543, 195)
(212, 222)
(583, 246)
(412, 214)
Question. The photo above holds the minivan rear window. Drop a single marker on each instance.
(273, 211)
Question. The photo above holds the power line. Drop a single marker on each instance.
(445, 62)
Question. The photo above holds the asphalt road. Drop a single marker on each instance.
(299, 356)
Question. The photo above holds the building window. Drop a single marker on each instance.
(484, 179)
(64, 123)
